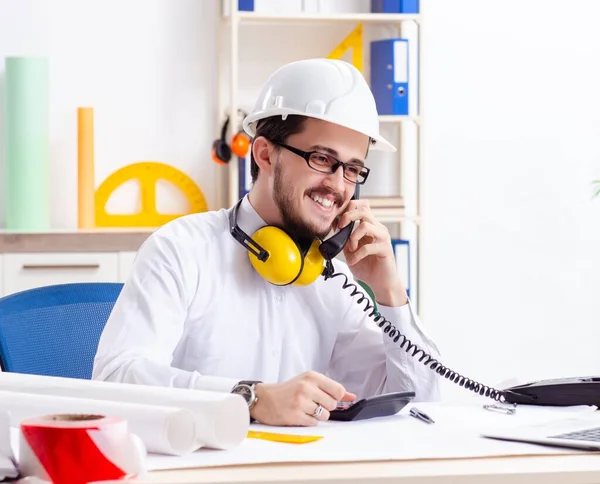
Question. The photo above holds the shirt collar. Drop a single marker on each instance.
(247, 218)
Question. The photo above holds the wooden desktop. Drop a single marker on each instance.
(563, 469)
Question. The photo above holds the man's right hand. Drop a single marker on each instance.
(293, 403)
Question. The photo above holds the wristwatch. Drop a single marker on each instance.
(246, 389)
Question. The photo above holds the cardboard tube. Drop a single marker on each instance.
(85, 168)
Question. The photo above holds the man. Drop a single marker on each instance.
(196, 311)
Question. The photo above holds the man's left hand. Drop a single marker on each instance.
(370, 255)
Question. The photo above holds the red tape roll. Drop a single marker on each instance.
(78, 449)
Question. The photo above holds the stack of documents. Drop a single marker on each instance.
(456, 433)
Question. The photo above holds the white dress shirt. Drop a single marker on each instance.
(195, 314)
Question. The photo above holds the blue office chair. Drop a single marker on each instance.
(54, 330)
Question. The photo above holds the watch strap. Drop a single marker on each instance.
(250, 383)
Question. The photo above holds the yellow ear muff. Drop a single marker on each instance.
(314, 263)
(285, 259)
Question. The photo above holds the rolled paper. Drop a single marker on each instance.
(85, 168)
(27, 144)
(163, 429)
(221, 419)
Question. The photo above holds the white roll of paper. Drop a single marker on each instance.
(164, 430)
(221, 419)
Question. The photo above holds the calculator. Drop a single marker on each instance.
(372, 407)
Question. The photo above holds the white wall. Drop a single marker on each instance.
(512, 241)
(512, 123)
(146, 68)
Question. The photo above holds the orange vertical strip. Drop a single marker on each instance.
(85, 168)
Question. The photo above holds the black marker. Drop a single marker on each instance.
(415, 412)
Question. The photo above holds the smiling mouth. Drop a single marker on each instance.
(322, 204)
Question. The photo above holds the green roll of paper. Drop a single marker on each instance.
(27, 141)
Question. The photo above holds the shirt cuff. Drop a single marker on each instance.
(216, 384)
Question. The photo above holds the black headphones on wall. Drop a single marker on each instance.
(281, 260)
(240, 144)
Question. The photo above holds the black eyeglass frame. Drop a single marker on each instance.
(307, 154)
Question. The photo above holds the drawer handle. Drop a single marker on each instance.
(60, 266)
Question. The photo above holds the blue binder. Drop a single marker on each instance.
(246, 5)
(395, 6)
(244, 175)
(402, 256)
(389, 75)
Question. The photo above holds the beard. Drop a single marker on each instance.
(293, 224)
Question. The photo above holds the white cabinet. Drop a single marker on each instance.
(125, 265)
(20, 271)
(28, 270)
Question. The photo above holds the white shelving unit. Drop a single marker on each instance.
(407, 225)
(261, 17)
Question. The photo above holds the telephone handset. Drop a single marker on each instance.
(335, 244)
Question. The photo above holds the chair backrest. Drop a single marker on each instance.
(54, 330)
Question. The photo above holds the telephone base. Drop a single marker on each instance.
(559, 392)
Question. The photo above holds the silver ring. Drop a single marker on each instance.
(318, 411)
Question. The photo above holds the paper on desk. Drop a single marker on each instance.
(473, 417)
(456, 434)
(8, 468)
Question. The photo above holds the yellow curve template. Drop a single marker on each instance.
(147, 173)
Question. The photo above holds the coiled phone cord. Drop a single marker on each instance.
(409, 347)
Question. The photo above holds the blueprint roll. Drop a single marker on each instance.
(162, 429)
(221, 419)
(27, 144)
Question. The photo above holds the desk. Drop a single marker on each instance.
(567, 469)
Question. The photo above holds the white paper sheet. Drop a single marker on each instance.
(221, 420)
(455, 434)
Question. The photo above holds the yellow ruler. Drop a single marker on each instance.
(147, 173)
(284, 438)
(354, 41)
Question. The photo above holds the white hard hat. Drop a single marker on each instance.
(327, 89)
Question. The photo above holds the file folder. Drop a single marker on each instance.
(246, 5)
(402, 255)
(244, 175)
(242, 6)
(389, 75)
(395, 6)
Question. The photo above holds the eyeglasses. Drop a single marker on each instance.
(326, 163)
